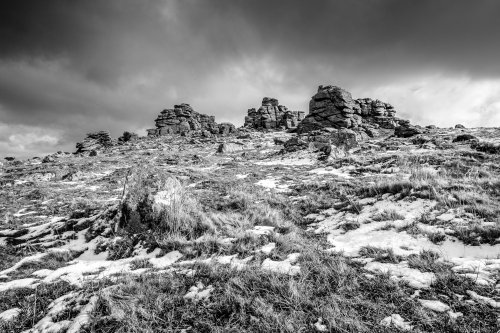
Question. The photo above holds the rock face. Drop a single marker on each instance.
(94, 141)
(334, 107)
(271, 115)
(182, 119)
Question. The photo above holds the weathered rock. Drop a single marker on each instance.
(334, 107)
(271, 115)
(230, 147)
(295, 144)
(464, 137)
(406, 131)
(94, 141)
(49, 159)
(183, 120)
(279, 141)
(226, 128)
(324, 141)
(459, 126)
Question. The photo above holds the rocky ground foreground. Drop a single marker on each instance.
(179, 234)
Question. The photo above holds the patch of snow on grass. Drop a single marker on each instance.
(330, 171)
(10, 315)
(401, 271)
(283, 267)
(436, 306)
(482, 299)
(198, 292)
(21, 283)
(396, 321)
(267, 183)
(33, 258)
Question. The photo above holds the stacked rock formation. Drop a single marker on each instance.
(94, 141)
(271, 115)
(334, 107)
(182, 119)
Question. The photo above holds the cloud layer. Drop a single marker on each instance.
(69, 67)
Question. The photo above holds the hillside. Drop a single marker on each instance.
(257, 230)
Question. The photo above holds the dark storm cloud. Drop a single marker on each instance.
(68, 67)
(456, 35)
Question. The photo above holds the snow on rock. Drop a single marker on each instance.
(10, 315)
(433, 305)
(283, 267)
(396, 321)
(259, 230)
(401, 271)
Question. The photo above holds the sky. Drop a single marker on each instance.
(71, 67)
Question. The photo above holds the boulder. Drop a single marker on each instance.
(406, 131)
(459, 126)
(295, 144)
(271, 115)
(464, 137)
(230, 147)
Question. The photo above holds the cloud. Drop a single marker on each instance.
(23, 141)
(70, 67)
(445, 101)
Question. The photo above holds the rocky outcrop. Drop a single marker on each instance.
(271, 115)
(182, 119)
(94, 141)
(334, 107)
